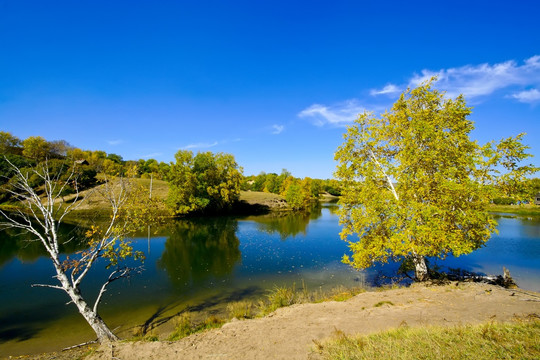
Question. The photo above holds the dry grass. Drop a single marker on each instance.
(282, 296)
(185, 327)
(519, 340)
(279, 296)
(241, 309)
(258, 197)
(93, 202)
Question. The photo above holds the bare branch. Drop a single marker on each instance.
(388, 179)
(48, 286)
(80, 345)
(115, 275)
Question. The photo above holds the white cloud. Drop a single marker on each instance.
(277, 129)
(115, 142)
(473, 81)
(200, 145)
(527, 96)
(388, 90)
(339, 114)
(152, 155)
(483, 79)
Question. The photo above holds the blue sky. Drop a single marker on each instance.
(272, 82)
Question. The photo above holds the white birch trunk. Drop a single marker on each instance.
(420, 268)
(103, 333)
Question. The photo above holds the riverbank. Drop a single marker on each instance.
(525, 210)
(294, 332)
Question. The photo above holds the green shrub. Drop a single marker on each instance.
(504, 201)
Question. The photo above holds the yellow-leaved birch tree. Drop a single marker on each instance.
(416, 185)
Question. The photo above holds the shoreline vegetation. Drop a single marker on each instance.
(95, 205)
(524, 210)
(250, 202)
(385, 323)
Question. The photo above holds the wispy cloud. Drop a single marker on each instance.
(389, 89)
(152, 155)
(519, 81)
(476, 81)
(339, 115)
(484, 79)
(277, 129)
(115, 142)
(200, 145)
(528, 96)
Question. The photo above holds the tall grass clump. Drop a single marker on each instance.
(281, 296)
(139, 334)
(184, 326)
(241, 309)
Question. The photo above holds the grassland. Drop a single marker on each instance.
(516, 340)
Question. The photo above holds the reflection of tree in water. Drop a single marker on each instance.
(531, 226)
(22, 245)
(200, 249)
(333, 207)
(289, 223)
(528, 225)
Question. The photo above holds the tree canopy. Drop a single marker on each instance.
(416, 185)
(204, 182)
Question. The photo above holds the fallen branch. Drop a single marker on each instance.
(80, 345)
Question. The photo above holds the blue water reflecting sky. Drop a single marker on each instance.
(204, 262)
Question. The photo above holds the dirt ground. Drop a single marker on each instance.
(291, 333)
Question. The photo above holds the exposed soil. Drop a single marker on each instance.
(292, 332)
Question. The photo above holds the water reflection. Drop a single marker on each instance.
(202, 263)
(200, 250)
(20, 244)
(531, 226)
(287, 224)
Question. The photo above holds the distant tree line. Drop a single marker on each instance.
(299, 193)
(199, 183)
(53, 156)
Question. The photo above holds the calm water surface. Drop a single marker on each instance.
(202, 264)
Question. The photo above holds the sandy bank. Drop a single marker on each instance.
(289, 333)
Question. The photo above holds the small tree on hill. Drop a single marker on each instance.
(204, 182)
(415, 185)
(44, 210)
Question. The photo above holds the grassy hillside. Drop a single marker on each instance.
(93, 200)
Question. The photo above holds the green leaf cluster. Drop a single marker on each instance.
(204, 182)
(298, 193)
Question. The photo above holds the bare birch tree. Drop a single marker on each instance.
(41, 215)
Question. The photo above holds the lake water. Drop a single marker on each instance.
(202, 264)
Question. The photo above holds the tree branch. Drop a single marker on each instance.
(115, 275)
(49, 286)
(388, 180)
